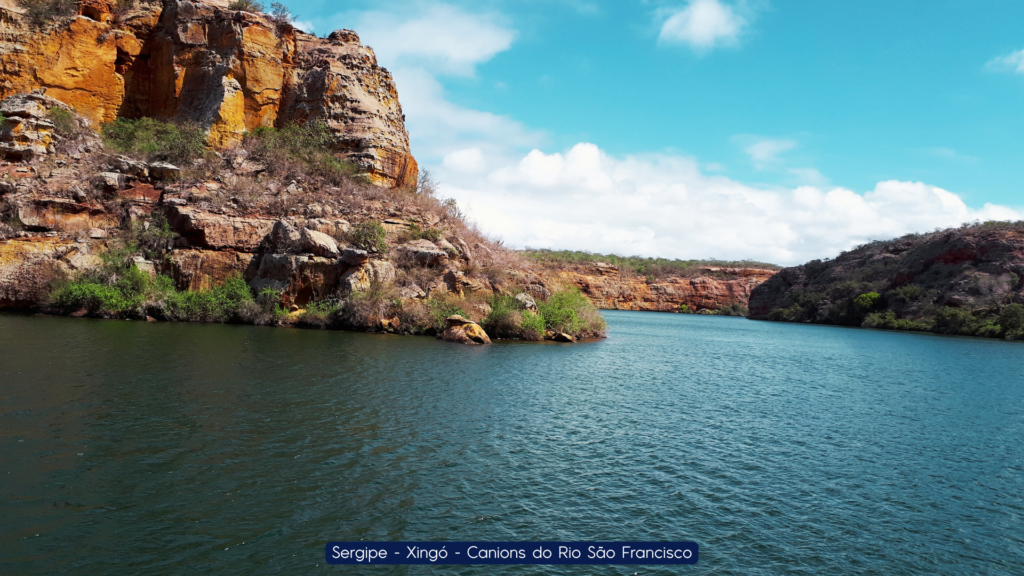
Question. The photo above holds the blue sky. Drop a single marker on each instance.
(769, 129)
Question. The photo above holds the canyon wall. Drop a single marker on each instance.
(709, 289)
(231, 71)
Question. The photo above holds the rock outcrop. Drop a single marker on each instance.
(464, 331)
(231, 71)
(710, 289)
(952, 281)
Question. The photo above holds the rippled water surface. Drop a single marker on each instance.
(132, 448)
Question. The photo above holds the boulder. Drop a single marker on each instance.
(126, 165)
(218, 232)
(425, 252)
(27, 132)
(97, 233)
(163, 171)
(359, 279)
(558, 336)
(111, 181)
(528, 302)
(285, 237)
(319, 243)
(464, 331)
(355, 257)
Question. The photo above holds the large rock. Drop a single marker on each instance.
(217, 232)
(319, 243)
(301, 279)
(28, 266)
(361, 278)
(464, 331)
(205, 269)
(230, 71)
(425, 253)
(27, 132)
(62, 215)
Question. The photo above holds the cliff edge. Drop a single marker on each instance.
(230, 71)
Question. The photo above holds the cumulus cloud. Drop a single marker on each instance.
(664, 205)
(703, 24)
(441, 38)
(421, 45)
(1012, 62)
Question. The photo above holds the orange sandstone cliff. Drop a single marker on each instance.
(710, 288)
(231, 71)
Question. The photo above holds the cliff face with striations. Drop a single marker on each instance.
(711, 289)
(230, 71)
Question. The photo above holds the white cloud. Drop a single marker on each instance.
(468, 161)
(664, 205)
(304, 25)
(442, 38)
(703, 24)
(765, 152)
(1012, 62)
(418, 46)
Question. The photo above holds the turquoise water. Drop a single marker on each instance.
(130, 448)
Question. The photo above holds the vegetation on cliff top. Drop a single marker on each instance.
(640, 265)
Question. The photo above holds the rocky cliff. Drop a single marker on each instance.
(959, 281)
(707, 289)
(230, 71)
(256, 174)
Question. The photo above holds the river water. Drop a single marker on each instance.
(133, 448)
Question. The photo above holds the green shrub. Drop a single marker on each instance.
(415, 232)
(888, 321)
(1014, 280)
(264, 310)
(1011, 319)
(569, 311)
(509, 319)
(791, 314)
(734, 309)
(949, 320)
(370, 236)
(246, 5)
(221, 304)
(320, 314)
(65, 123)
(439, 308)
(182, 143)
(687, 309)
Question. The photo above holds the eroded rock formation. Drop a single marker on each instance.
(230, 71)
(710, 289)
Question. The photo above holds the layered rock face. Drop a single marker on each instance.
(230, 71)
(973, 272)
(712, 289)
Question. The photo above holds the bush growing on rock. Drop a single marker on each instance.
(510, 320)
(247, 6)
(42, 12)
(370, 236)
(182, 143)
(298, 150)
